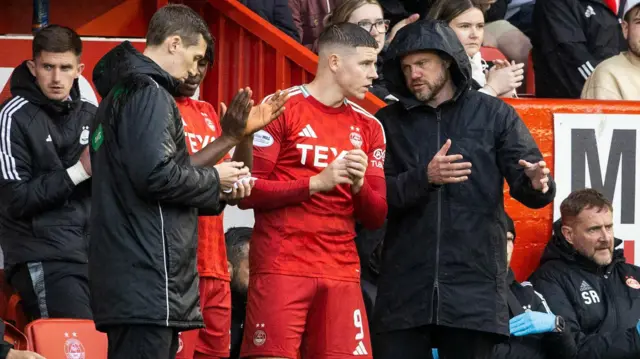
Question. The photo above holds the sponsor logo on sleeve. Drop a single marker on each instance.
(262, 138)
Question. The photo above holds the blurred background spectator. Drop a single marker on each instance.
(618, 78)
(466, 19)
(308, 17)
(570, 38)
(277, 12)
(503, 35)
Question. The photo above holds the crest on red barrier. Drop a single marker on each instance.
(73, 348)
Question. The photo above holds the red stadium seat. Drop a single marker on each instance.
(14, 337)
(187, 346)
(491, 54)
(14, 313)
(66, 338)
(531, 78)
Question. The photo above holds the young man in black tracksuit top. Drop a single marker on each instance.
(586, 281)
(44, 179)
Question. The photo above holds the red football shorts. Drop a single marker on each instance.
(316, 317)
(215, 300)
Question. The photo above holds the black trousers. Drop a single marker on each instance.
(142, 342)
(53, 289)
(452, 343)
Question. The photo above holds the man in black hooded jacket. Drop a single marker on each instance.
(443, 277)
(588, 282)
(45, 186)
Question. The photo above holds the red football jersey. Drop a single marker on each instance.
(314, 235)
(201, 127)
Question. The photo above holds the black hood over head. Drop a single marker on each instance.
(559, 249)
(425, 35)
(24, 84)
(124, 60)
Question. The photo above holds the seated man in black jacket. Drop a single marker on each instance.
(44, 181)
(536, 333)
(588, 283)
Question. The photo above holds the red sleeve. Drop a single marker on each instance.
(370, 204)
(271, 194)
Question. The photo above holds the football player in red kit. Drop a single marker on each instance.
(319, 168)
(204, 132)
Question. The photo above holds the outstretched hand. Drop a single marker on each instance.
(538, 173)
(442, 170)
(234, 119)
(262, 114)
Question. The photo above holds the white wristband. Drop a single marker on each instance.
(77, 173)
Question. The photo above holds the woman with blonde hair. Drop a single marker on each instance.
(368, 15)
(466, 18)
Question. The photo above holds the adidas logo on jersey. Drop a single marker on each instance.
(360, 350)
(584, 286)
(48, 139)
(307, 131)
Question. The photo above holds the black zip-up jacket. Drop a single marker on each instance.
(570, 38)
(43, 215)
(142, 256)
(539, 346)
(601, 305)
(444, 257)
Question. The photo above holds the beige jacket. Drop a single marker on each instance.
(617, 78)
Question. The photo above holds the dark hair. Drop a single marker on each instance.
(56, 38)
(236, 239)
(177, 19)
(447, 10)
(627, 16)
(346, 34)
(209, 54)
(582, 199)
(511, 227)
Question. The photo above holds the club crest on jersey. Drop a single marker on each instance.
(355, 137)
(632, 283)
(259, 337)
(208, 121)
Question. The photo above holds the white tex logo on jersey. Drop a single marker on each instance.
(589, 12)
(307, 131)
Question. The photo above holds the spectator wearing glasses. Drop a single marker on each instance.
(466, 18)
(368, 15)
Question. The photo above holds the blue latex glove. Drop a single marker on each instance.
(434, 353)
(532, 323)
(638, 327)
